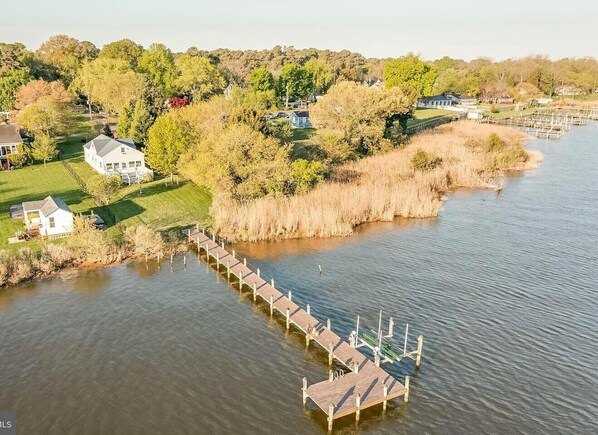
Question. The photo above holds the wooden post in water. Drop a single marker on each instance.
(240, 280)
(217, 260)
(228, 269)
(330, 375)
(254, 292)
(406, 396)
(377, 356)
(328, 324)
(358, 405)
(271, 305)
(307, 336)
(207, 253)
(391, 327)
(288, 318)
(244, 261)
(330, 416)
(272, 283)
(185, 261)
(330, 350)
(171, 258)
(290, 296)
(308, 309)
(385, 392)
(198, 245)
(234, 254)
(420, 346)
(213, 237)
(304, 389)
(258, 271)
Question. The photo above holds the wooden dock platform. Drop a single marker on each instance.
(365, 385)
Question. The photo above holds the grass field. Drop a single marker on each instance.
(420, 115)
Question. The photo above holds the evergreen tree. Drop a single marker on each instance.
(141, 122)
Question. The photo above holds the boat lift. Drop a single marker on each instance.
(381, 345)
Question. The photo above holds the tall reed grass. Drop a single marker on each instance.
(381, 187)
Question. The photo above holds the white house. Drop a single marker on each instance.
(51, 216)
(9, 139)
(116, 156)
(435, 102)
(300, 119)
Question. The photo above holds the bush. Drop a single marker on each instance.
(422, 161)
(305, 174)
(89, 244)
(22, 157)
(22, 266)
(494, 143)
(103, 187)
(511, 156)
(144, 240)
(494, 109)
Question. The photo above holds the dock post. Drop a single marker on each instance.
(420, 346)
(330, 350)
(330, 375)
(288, 318)
(254, 292)
(271, 305)
(198, 245)
(355, 367)
(258, 271)
(244, 261)
(272, 283)
(207, 253)
(385, 392)
(307, 336)
(308, 309)
(377, 356)
(234, 256)
(171, 258)
(228, 269)
(290, 296)
(406, 396)
(358, 405)
(217, 260)
(328, 324)
(330, 416)
(146, 257)
(304, 389)
(391, 327)
(213, 237)
(240, 280)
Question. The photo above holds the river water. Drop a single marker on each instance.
(503, 288)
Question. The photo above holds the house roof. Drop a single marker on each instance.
(301, 113)
(9, 134)
(46, 206)
(436, 98)
(466, 97)
(105, 145)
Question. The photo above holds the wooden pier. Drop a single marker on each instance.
(364, 385)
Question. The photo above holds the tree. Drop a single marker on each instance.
(157, 62)
(239, 162)
(294, 83)
(13, 57)
(306, 174)
(168, 138)
(178, 102)
(45, 116)
(321, 74)
(66, 54)
(370, 119)
(410, 73)
(10, 82)
(109, 82)
(124, 49)
(261, 80)
(22, 157)
(34, 90)
(103, 187)
(44, 148)
(141, 121)
(125, 118)
(198, 77)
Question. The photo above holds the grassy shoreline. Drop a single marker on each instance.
(382, 187)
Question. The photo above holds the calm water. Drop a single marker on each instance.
(502, 287)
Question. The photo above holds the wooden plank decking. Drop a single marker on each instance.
(365, 385)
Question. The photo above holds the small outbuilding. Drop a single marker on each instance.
(300, 119)
(50, 216)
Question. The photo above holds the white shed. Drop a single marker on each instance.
(51, 216)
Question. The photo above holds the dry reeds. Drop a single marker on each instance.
(379, 188)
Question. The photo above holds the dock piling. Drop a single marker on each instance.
(290, 296)
(420, 346)
(377, 356)
(328, 324)
(244, 261)
(330, 353)
(308, 309)
(385, 393)
(228, 269)
(330, 416)
(254, 292)
(240, 281)
(406, 397)
(304, 389)
(288, 318)
(358, 405)
(271, 305)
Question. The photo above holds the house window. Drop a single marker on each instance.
(124, 165)
(131, 165)
(52, 222)
(122, 150)
(108, 166)
(138, 164)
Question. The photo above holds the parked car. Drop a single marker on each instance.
(283, 115)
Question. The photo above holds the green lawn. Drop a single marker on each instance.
(421, 115)
(33, 183)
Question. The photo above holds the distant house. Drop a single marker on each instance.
(568, 90)
(300, 119)
(50, 216)
(505, 98)
(434, 102)
(475, 114)
(110, 156)
(374, 82)
(9, 139)
(467, 100)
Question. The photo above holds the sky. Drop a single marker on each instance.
(462, 29)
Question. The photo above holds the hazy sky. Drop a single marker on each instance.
(383, 28)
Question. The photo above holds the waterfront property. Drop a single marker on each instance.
(365, 385)
(110, 156)
(9, 139)
(48, 217)
(434, 102)
(300, 119)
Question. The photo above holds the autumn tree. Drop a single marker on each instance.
(22, 157)
(44, 148)
(321, 74)
(36, 89)
(411, 74)
(157, 62)
(198, 78)
(124, 49)
(110, 83)
(66, 54)
(103, 187)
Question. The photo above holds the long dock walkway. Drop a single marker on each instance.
(365, 385)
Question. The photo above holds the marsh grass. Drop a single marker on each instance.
(381, 187)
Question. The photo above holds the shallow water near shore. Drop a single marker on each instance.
(503, 288)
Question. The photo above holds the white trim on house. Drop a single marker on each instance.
(51, 216)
